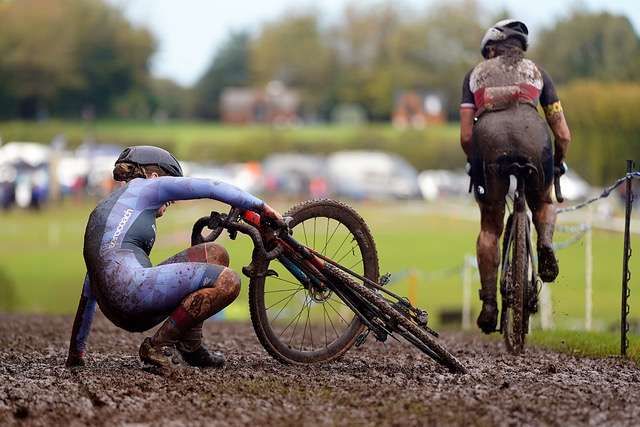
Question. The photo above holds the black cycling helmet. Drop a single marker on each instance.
(148, 155)
(501, 31)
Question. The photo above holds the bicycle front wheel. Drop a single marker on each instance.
(515, 315)
(295, 322)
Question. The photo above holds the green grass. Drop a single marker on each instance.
(435, 146)
(41, 258)
(586, 344)
(426, 244)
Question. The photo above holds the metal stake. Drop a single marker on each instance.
(626, 274)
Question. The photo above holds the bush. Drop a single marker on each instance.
(604, 128)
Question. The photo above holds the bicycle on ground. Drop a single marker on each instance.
(313, 296)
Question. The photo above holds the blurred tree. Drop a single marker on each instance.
(230, 67)
(64, 54)
(360, 41)
(36, 53)
(170, 99)
(293, 50)
(599, 46)
(604, 127)
(435, 51)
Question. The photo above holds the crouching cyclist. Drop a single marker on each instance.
(182, 291)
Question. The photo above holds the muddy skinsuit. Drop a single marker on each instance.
(120, 234)
(504, 93)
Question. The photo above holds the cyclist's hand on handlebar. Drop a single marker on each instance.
(560, 169)
(269, 212)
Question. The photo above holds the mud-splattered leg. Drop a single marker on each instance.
(488, 252)
(184, 327)
(544, 219)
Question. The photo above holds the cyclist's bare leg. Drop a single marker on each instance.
(488, 252)
(544, 219)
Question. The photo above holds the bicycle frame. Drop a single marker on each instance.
(306, 264)
(320, 280)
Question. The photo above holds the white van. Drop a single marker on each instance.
(364, 174)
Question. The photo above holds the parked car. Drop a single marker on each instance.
(442, 183)
(294, 174)
(362, 174)
(574, 188)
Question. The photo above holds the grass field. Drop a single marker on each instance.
(432, 147)
(422, 244)
(428, 247)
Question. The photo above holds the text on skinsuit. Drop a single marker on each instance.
(123, 222)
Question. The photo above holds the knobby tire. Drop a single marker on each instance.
(297, 326)
(515, 317)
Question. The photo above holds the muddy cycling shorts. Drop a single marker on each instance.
(500, 138)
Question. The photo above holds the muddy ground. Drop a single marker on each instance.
(376, 384)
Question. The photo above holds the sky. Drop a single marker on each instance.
(189, 32)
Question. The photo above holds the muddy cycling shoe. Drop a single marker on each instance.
(201, 356)
(547, 264)
(163, 356)
(488, 318)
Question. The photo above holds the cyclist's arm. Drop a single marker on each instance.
(468, 110)
(466, 131)
(555, 118)
(81, 326)
(562, 136)
(167, 189)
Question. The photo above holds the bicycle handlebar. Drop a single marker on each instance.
(218, 222)
(558, 171)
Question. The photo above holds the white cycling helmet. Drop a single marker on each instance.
(502, 30)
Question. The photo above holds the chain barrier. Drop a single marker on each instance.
(605, 193)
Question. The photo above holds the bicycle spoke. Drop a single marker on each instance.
(303, 324)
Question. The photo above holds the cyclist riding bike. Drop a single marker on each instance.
(186, 289)
(499, 125)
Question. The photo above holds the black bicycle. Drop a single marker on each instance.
(519, 285)
(315, 295)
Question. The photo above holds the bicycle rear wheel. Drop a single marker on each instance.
(514, 285)
(397, 321)
(295, 323)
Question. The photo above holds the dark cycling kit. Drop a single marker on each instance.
(512, 89)
(121, 231)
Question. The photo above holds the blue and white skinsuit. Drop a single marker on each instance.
(120, 234)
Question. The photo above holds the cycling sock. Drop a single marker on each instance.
(174, 327)
(182, 319)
